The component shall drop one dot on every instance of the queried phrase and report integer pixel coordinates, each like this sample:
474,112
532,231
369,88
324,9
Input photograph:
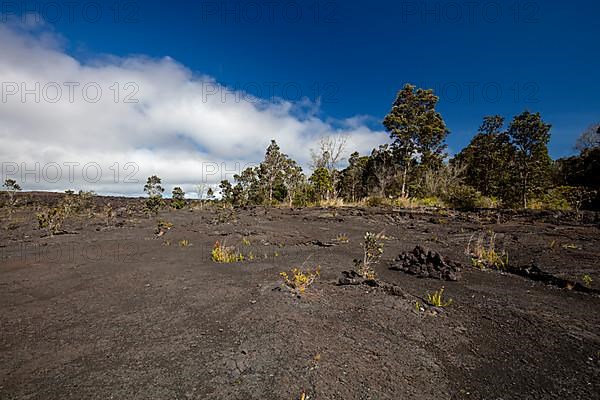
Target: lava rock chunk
354,278
427,264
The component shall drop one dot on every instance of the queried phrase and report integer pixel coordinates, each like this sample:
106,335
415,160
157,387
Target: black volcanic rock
427,264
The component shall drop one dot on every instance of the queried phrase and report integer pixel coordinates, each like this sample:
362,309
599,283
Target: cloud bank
107,124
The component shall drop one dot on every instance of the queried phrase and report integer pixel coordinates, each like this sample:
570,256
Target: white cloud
181,128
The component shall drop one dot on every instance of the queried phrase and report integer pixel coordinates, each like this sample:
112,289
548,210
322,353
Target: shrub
486,257
298,281
153,205
587,281
564,198
553,199
225,254
109,214
375,201
431,202
463,197
372,252
162,225
52,220
178,198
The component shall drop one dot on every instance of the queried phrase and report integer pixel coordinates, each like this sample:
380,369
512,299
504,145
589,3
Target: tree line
505,164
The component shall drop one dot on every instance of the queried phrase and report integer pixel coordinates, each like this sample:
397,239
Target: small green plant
437,299
297,281
184,243
342,238
162,226
418,307
483,256
570,246
225,254
246,241
372,252
587,281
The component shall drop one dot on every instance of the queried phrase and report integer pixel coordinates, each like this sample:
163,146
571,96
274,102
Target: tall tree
272,168
487,158
329,155
226,191
381,168
293,178
153,187
351,184
417,129
530,136
178,198
322,183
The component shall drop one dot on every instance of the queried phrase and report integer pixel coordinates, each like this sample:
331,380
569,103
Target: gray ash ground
110,311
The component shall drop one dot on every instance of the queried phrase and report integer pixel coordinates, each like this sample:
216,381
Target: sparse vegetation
52,220
108,214
372,252
437,299
342,238
570,246
162,226
184,243
485,255
297,281
221,253
587,281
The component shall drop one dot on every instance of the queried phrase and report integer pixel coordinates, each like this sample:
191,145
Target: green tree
530,136
293,179
322,183
352,185
226,191
272,168
11,187
381,168
417,129
154,190
329,155
249,190
153,186
178,198
486,160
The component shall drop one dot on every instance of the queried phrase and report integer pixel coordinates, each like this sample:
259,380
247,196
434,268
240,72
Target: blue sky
482,57
214,82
